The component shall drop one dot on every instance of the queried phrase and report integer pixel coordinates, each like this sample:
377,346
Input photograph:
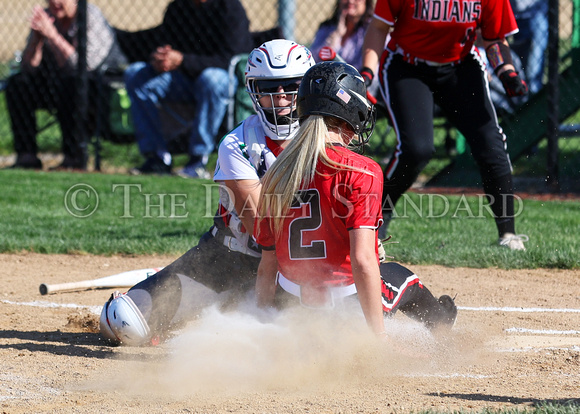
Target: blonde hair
295,167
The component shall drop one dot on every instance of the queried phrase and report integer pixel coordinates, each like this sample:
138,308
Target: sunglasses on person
273,85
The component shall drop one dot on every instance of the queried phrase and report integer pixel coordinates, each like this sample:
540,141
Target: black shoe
27,162
449,312
153,165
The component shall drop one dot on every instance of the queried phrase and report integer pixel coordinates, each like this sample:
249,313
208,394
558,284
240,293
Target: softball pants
178,292
461,91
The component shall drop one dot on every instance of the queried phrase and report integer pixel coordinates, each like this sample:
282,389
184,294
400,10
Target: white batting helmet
277,63
122,322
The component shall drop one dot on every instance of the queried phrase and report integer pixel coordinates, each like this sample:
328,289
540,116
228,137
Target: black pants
210,263
461,91
27,92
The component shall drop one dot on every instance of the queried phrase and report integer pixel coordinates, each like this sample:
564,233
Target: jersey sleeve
386,10
232,164
498,20
263,234
364,199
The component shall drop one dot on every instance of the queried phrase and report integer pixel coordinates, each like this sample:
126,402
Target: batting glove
368,75
513,84
327,53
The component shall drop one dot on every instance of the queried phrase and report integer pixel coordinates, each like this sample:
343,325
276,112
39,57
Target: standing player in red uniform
431,58
321,207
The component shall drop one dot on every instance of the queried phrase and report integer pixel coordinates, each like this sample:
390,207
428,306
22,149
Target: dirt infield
516,343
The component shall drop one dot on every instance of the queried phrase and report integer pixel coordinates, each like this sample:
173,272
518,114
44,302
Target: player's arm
367,277
499,55
266,280
245,195
373,46
500,59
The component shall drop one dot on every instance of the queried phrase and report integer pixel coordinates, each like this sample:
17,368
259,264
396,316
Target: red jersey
314,247
443,30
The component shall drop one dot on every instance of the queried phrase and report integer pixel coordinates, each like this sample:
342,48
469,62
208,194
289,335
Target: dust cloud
251,350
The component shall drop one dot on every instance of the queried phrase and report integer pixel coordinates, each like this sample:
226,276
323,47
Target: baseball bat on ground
120,280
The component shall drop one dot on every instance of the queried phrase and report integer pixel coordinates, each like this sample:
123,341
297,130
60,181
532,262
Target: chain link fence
31,98
300,19
143,14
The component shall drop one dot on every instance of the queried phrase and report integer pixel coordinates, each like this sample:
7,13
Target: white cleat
513,241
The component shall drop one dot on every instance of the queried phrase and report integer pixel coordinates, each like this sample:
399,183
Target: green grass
34,218
564,407
127,220
37,215
458,231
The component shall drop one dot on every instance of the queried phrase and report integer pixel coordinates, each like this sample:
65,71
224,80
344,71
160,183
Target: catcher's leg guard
122,322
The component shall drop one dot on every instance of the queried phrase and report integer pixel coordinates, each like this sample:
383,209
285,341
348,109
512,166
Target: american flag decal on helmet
344,96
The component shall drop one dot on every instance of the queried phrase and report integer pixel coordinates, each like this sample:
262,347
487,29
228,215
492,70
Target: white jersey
243,154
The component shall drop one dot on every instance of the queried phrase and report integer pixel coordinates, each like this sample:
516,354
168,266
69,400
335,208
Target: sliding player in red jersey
320,208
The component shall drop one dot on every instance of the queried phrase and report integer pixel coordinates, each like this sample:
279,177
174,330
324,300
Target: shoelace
521,237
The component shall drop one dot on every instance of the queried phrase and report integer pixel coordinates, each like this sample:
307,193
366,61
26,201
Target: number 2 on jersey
298,250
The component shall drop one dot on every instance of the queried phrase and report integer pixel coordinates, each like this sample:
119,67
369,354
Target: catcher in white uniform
226,259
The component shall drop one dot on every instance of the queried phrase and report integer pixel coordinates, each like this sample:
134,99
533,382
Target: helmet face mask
266,92
367,128
337,89
273,75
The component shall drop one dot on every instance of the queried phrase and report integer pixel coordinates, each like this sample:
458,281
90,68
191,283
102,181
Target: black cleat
448,312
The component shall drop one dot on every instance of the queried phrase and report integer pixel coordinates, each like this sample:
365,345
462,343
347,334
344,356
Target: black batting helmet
337,89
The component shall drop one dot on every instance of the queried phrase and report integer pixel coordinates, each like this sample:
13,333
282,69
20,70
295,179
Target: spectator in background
344,32
199,38
531,41
48,78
